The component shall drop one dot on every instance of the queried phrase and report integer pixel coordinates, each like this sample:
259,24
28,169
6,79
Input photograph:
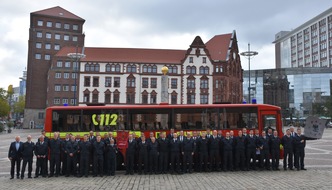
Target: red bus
125,119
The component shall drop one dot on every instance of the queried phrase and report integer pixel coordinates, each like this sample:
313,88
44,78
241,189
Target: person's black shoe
12,177
36,176
126,173
291,168
303,169
50,175
86,176
29,177
17,177
22,177
56,175
67,175
94,175
277,169
132,173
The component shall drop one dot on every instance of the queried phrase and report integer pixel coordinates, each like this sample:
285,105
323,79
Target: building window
40,23
204,83
95,82
191,99
204,59
49,24
74,75
92,67
107,98
145,83
73,88
75,27
153,98
108,81
75,66
174,98
66,75
37,56
57,36
39,34
65,88
40,115
59,64
191,83
153,82
64,100
86,97
95,98
58,75
57,88
75,38
58,25
174,83
66,26
149,69
204,70
172,69
66,37
204,99
130,98
191,60
113,68
131,69
191,69
144,98
87,81
47,57
38,45
56,101
116,98
48,35
47,46
73,101
116,82
131,82
67,64
56,47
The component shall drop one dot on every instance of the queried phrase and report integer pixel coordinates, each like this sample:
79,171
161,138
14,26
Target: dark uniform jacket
265,143
13,153
55,146
227,144
163,145
41,149
28,149
287,142
250,142
239,143
71,147
98,148
214,143
275,143
188,145
84,148
202,145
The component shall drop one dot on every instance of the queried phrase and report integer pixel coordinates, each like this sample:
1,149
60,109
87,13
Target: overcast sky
169,24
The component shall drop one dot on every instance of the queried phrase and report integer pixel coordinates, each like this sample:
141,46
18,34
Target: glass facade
296,90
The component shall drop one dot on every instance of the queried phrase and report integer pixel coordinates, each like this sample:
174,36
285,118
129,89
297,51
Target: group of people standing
173,153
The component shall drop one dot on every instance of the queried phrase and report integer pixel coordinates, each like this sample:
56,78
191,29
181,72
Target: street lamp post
77,57
248,54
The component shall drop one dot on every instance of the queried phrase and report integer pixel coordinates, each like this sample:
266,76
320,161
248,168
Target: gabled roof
127,55
58,12
218,46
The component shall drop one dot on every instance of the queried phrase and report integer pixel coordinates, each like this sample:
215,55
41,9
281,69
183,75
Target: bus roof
165,106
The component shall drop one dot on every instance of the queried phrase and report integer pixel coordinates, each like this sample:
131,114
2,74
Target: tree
18,106
4,108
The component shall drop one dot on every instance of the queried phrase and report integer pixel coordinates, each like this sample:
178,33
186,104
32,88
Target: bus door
270,120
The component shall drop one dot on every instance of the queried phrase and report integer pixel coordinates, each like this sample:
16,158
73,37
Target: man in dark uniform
130,155
239,145
170,135
64,155
143,157
287,143
163,153
227,144
181,138
85,149
195,138
113,150
264,148
153,155
71,151
47,141
188,150
175,148
202,146
299,143
27,154
55,148
275,150
15,156
214,148
251,146
98,157
41,151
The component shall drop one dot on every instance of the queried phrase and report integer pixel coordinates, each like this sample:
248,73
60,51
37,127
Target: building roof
218,46
58,12
127,55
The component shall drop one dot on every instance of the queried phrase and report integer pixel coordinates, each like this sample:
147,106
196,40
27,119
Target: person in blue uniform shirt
287,143
85,149
15,156
275,150
55,150
41,151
